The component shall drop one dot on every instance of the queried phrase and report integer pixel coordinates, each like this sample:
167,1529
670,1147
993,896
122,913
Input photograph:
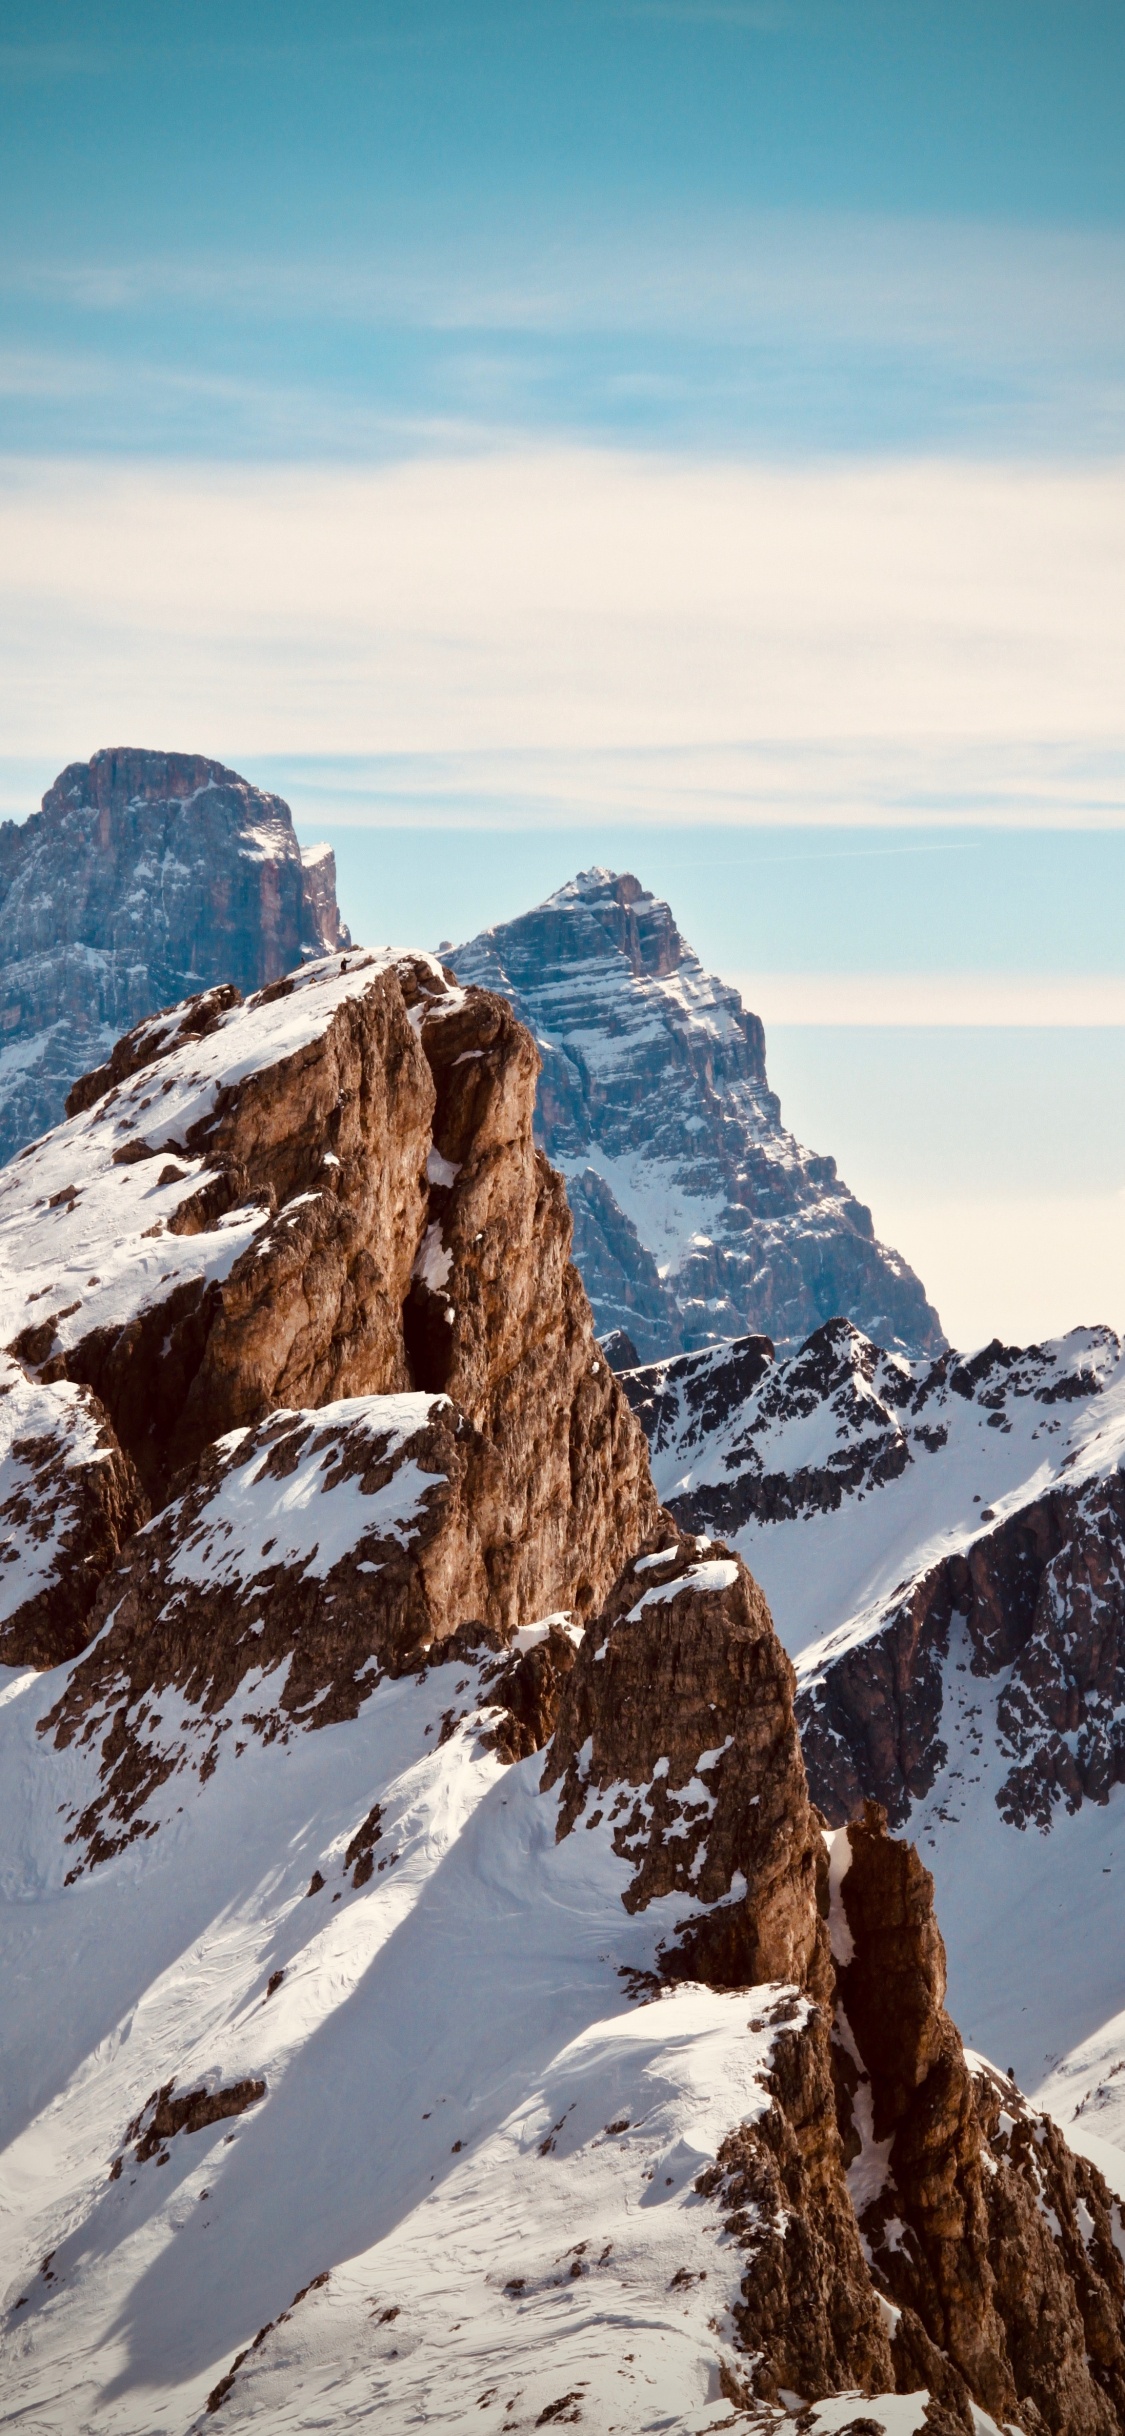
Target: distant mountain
696,1215
145,877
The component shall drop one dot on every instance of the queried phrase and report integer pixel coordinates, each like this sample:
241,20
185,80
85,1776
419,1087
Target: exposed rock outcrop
809,2318
903,2225
164,2116
356,1209
978,2219
697,1216
244,1210
739,1435
307,1558
1028,1602
145,876
355,1206
677,1724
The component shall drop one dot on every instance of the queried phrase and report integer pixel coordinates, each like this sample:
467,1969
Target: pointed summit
697,1216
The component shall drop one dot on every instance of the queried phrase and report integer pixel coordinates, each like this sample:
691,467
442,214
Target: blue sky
685,434
704,223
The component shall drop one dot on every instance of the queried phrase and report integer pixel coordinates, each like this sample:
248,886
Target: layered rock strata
697,1216
145,876
334,1327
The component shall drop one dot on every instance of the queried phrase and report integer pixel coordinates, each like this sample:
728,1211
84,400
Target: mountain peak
697,1216
145,878
125,773
642,927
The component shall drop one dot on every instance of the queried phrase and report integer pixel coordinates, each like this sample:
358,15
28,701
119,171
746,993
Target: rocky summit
428,1992
697,1216
144,877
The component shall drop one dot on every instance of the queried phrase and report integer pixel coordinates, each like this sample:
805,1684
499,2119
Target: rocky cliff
426,1986
144,877
332,1191
697,1216
677,1721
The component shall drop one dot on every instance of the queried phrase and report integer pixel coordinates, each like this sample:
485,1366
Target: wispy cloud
564,632
720,331
863,277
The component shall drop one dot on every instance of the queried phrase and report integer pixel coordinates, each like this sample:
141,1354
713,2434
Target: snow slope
466,2123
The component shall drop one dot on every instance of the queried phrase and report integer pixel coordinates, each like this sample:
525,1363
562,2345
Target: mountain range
479,1830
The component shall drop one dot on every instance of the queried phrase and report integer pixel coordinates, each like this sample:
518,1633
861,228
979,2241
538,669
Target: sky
678,434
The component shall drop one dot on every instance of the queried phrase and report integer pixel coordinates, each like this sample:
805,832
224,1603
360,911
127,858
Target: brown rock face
69,1499
163,2117
960,2233
329,1143
360,1138
403,1237
676,1724
906,2223
318,1551
498,1319
685,1696
145,876
808,2315
529,1689
1060,2292
303,1551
